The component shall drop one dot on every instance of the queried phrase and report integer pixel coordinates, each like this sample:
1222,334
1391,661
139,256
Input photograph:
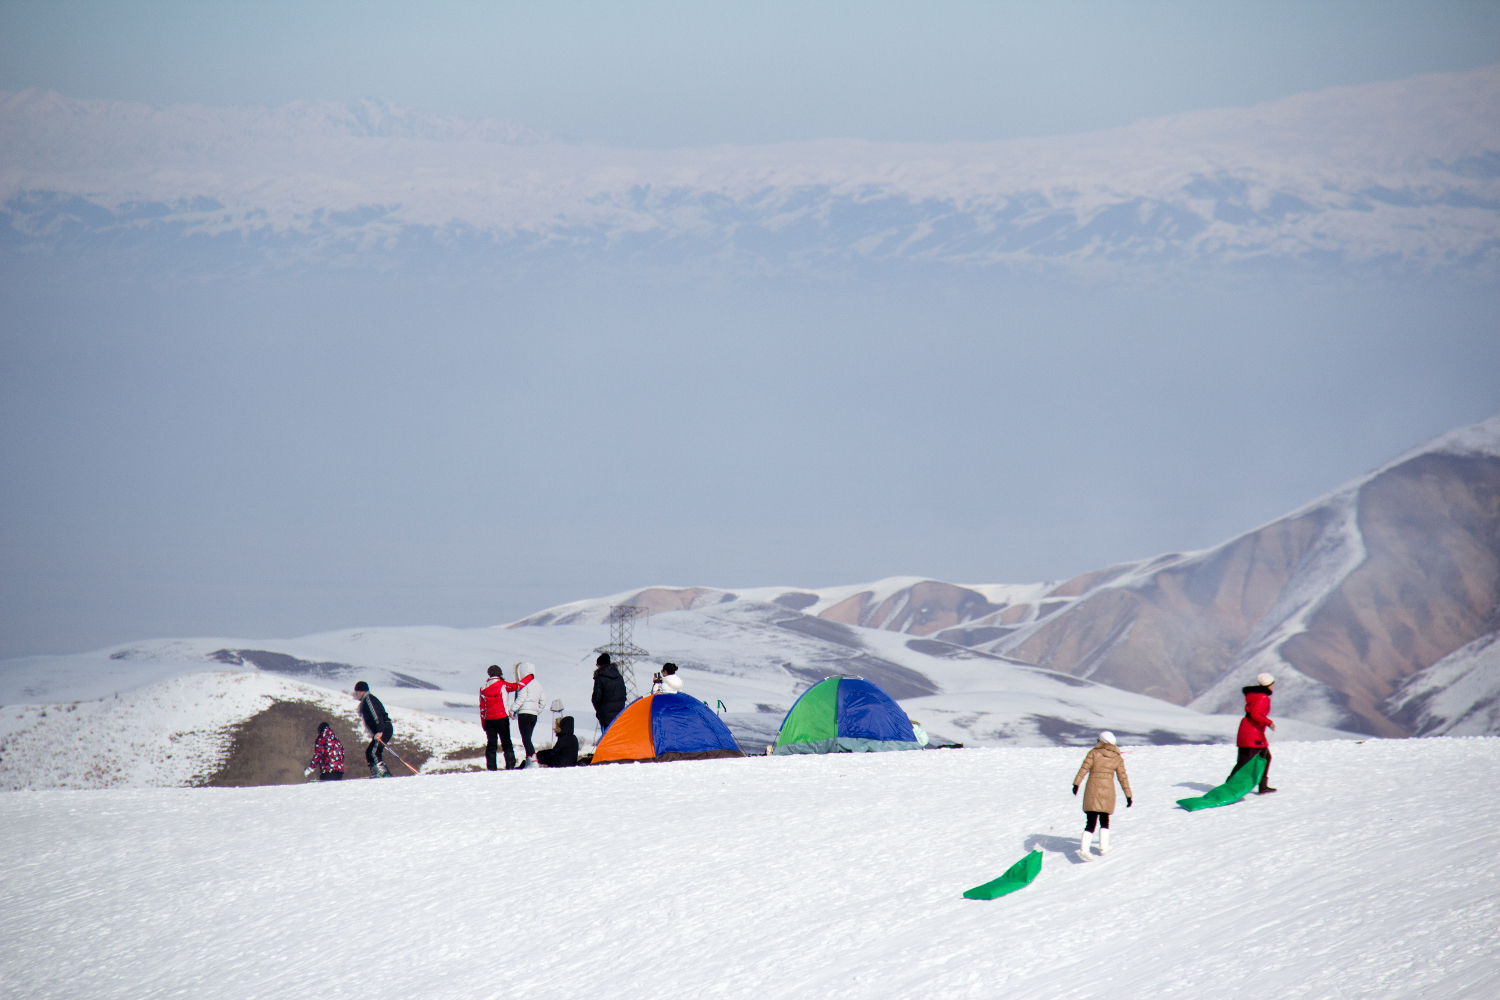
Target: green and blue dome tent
845,715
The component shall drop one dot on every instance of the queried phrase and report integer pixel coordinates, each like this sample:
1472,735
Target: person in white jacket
668,681
530,702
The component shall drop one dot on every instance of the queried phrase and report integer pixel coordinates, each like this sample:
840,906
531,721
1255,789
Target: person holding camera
667,681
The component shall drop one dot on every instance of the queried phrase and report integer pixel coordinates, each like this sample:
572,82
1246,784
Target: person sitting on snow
1103,765
1251,739
328,756
564,752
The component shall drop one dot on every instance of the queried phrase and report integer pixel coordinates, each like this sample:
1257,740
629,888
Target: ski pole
398,757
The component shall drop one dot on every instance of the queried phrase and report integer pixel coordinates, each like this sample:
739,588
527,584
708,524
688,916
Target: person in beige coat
1103,765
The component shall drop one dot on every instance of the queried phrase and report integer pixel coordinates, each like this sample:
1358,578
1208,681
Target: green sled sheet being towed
1232,790
1017,876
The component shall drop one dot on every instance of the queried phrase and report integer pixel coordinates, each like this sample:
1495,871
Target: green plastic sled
1238,785
1017,876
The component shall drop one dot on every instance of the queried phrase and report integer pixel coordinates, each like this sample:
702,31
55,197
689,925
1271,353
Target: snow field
178,732
1371,874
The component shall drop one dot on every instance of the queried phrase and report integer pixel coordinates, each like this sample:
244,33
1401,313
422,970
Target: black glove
1128,801
1075,789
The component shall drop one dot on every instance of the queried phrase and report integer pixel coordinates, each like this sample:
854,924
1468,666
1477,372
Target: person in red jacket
1251,740
495,718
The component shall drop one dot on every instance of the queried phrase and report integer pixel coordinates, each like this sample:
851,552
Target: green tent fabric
1017,876
845,715
816,718
1238,785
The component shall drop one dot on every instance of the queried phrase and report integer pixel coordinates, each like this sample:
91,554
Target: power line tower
622,651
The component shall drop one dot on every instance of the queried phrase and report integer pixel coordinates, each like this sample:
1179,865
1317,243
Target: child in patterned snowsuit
328,756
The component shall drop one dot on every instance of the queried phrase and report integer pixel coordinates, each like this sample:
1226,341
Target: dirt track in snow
274,745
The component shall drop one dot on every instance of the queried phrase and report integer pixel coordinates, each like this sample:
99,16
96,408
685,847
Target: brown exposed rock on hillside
1430,582
1175,635
926,607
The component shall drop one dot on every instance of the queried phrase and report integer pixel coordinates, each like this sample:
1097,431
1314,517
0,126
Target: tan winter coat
1103,765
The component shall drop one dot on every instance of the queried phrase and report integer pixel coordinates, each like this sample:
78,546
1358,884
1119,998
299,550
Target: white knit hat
1264,680
1107,737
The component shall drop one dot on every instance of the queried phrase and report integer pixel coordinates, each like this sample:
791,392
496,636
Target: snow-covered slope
1342,600
750,659
1402,172
1345,600
1458,695
1372,873
183,731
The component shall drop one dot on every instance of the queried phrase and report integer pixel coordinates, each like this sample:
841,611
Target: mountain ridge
1405,172
1345,599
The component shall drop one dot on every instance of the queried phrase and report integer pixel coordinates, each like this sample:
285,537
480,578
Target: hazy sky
274,451
694,73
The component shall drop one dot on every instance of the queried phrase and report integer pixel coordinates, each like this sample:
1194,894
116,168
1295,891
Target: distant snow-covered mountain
1405,172
1375,605
172,706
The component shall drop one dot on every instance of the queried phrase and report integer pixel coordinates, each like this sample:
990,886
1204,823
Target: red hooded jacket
492,696
1257,714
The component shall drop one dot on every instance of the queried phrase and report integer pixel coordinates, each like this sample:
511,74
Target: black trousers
1101,818
498,729
526,723
376,750
606,716
548,758
1246,755
331,776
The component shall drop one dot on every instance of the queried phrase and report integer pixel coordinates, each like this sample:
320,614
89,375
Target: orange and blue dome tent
663,727
845,715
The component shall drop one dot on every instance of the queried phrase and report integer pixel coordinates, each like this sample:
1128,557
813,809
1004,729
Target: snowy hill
751,657
1402,172
1343,600
1458,695
1371,873
1374,606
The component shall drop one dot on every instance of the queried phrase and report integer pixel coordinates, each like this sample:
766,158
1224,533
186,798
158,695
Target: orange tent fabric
629,736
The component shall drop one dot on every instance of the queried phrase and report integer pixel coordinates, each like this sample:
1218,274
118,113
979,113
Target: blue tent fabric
863,719
681,723
867,713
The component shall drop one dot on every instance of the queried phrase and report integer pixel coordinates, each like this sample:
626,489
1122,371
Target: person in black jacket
609,691
564,752
378,725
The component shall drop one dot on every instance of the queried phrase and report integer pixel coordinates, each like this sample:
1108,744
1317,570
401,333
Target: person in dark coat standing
1251,740
495,716
564,752
609,692
378,725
